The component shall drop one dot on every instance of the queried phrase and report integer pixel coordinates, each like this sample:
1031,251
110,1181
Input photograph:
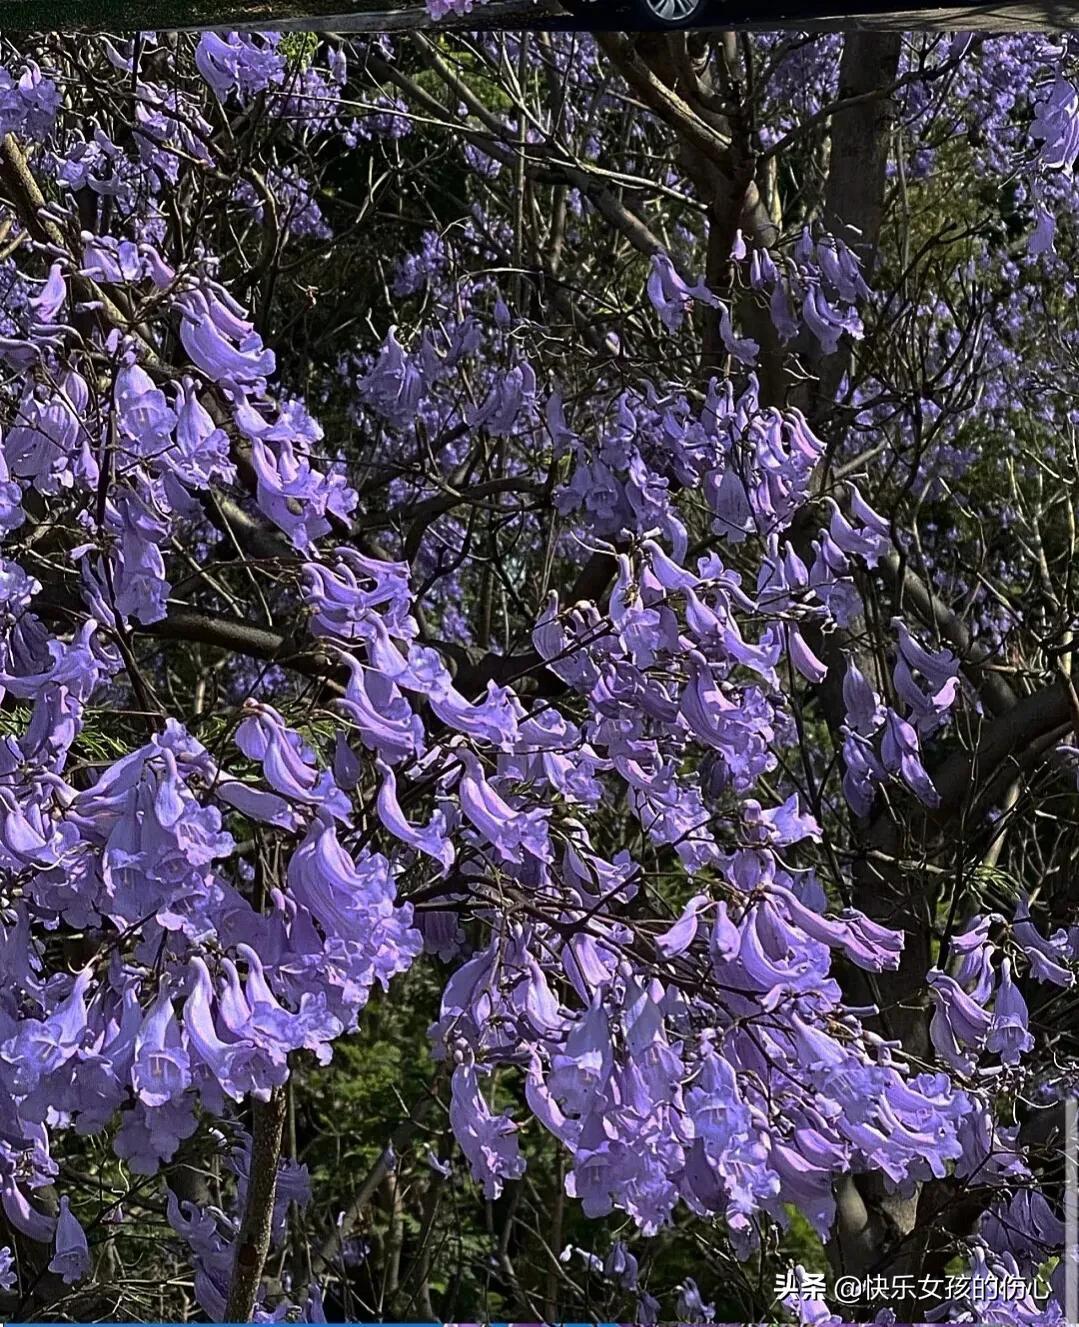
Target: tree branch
228,633
975,658
1031,719
253,1240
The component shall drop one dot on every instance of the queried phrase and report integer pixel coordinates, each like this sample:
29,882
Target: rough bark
854,196
253,1240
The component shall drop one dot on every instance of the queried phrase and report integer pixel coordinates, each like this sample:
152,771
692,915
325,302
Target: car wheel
669,13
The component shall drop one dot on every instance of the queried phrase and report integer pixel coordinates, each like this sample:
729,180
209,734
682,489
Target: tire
669,14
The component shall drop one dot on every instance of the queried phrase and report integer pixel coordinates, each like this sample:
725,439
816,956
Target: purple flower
901,754
28,104
71,1259
511,833
489,1141
248,63
864,711
1044,233
621,1266
691,1305
1009,1033
868,541
1025,1227
161,1070
1047,958
959,1026
209,331
975,952
50,299
803,658
671,297
430,840
1056,125
238,1067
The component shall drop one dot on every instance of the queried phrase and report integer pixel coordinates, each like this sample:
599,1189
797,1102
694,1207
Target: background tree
538,566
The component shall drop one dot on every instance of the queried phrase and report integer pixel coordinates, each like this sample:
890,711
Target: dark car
649,13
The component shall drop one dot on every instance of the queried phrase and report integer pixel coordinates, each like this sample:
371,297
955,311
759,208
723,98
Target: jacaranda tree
568,544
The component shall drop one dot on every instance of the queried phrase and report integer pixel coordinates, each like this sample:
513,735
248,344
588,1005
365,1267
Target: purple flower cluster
690,1049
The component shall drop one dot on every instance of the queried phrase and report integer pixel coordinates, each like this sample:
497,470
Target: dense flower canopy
591,592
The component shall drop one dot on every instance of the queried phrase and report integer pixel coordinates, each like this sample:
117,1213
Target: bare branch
253,1240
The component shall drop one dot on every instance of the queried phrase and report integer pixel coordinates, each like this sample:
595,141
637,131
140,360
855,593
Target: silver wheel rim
673,11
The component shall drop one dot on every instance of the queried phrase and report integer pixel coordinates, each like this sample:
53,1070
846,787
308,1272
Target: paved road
403,15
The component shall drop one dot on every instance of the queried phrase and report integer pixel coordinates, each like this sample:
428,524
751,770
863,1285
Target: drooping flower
1009,1033
959,1027
71,1259
489,1140
901,753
